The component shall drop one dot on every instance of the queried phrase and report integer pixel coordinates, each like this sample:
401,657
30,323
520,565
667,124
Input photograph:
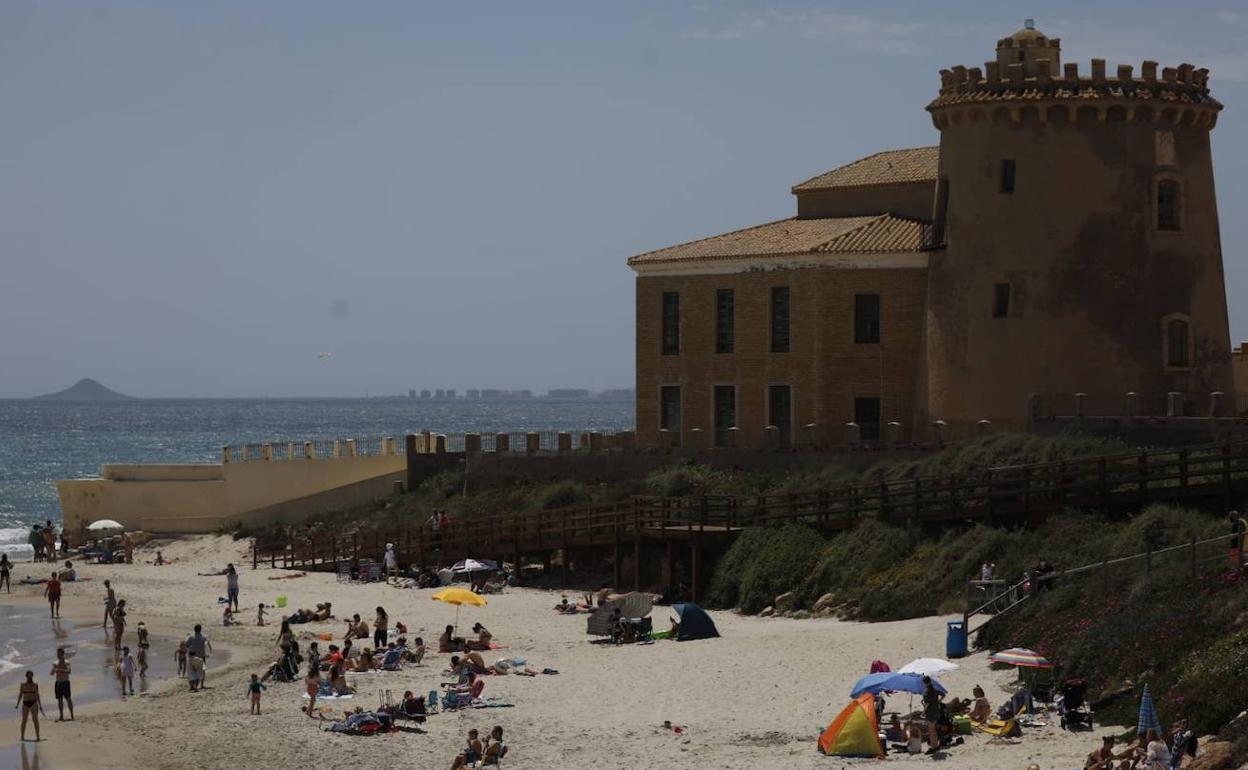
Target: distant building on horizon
567,393
1063,237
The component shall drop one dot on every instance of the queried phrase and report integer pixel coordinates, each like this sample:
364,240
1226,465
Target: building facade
1063,237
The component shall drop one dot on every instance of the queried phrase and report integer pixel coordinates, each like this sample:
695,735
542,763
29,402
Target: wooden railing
1023,492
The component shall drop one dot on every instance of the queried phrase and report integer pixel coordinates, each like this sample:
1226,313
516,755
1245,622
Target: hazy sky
197,198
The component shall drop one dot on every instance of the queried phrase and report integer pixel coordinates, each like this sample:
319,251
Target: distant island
85,389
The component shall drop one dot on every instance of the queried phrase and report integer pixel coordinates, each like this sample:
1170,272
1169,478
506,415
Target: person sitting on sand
914,739
69,574
416,652
227,617
468,662
494,747
895,733
356,629
483,638
338,678
364,662
981,710
1103,758
323,612
449,643
564,606
160,559
604,595
471,753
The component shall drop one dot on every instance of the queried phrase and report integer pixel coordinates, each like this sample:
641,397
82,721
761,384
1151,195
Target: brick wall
824,367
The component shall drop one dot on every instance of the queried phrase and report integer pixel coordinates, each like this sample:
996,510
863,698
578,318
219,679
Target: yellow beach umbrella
459,597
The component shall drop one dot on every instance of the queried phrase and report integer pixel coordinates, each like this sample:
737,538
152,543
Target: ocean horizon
42,441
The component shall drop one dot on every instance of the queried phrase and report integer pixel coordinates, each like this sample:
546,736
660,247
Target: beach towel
331,696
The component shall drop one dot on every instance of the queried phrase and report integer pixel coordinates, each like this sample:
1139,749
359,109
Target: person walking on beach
381,629
253,691
28,699
60,670
195,674
119,623
180,656
110,602
6,567
231,586
52,590
142,658
198,646
125,671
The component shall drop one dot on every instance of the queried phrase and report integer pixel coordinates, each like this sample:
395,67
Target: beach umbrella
474,565
928,667
103,525
1148,715
893,681
1018,656
459,597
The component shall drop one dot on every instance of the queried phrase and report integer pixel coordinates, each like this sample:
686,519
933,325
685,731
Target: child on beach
142,659
180,656
196,673
52,590
471,753
312,683
141,631
254,690
125,671
259,614
227,617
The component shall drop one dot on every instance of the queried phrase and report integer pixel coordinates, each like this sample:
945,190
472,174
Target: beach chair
344,572
1000,729
431,702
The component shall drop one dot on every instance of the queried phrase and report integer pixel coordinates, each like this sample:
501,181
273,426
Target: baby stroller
1072,705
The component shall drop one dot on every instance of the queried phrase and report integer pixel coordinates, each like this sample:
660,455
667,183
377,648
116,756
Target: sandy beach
755,698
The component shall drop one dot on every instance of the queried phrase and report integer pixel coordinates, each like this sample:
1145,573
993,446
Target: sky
198,199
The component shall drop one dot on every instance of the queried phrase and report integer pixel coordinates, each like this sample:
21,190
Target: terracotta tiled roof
884,233
917,164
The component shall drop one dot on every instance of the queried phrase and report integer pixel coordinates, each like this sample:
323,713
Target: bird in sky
324,355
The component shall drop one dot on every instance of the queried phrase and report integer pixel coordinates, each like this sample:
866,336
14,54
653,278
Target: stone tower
1075,236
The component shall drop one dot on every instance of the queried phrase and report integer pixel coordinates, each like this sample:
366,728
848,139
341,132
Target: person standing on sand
125,671
127,543
392,562
931,711
28,699
119,623
180,656
60,670
253,690
110,602
381,628
231,586
312,684
6,567
52,590
198,646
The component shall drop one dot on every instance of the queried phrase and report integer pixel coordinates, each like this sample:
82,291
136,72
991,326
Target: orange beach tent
854,732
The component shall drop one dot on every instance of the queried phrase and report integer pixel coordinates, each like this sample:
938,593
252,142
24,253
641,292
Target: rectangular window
669,411
725,332
1176,343
780,319
1168,205
866,319
725,412
780,411
1007,176
671,323
1000,300
867,415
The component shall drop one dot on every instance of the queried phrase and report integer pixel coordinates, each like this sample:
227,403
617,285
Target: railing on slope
1000,492
1108,569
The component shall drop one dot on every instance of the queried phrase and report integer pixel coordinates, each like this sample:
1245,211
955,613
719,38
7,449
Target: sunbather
364,662
1103,758
471,753
356,629
469,662
981,709
483,638
449,643
416,652
494,747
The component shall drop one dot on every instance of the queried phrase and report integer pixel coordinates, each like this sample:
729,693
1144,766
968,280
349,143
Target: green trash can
955,639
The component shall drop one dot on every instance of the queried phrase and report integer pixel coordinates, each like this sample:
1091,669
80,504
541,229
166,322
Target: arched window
1168,205
1177,341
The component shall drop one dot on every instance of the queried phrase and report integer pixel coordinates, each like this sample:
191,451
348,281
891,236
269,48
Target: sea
42,441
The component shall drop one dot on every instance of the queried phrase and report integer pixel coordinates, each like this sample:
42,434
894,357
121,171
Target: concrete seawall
202,497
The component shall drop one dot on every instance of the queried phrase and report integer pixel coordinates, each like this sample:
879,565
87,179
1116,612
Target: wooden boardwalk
1023,494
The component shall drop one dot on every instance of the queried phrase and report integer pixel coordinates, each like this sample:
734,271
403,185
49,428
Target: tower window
1001,300
1177,352
867,415
669,410
724,321
866,319
780,319
1168,205
780,411
1007,176
671,323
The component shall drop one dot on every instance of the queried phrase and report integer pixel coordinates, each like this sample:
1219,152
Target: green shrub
561,494
763,563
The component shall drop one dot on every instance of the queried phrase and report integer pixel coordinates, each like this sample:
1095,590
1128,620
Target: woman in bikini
28,699
6,567
119,623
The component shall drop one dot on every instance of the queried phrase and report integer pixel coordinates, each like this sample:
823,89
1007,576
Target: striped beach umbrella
1019,656
1148,714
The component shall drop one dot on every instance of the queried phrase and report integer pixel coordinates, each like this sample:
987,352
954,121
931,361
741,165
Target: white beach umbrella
474,565
928,667
104,524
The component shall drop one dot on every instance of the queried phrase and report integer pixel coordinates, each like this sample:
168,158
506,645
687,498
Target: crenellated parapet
1005,90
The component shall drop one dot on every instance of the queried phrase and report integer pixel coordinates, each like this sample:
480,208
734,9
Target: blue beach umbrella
892,681
1148,714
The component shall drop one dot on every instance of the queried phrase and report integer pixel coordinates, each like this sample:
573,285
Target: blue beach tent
694,623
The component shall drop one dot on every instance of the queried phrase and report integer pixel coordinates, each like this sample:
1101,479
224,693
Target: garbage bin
955,639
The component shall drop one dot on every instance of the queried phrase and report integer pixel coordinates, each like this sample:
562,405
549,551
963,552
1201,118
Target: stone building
1062,238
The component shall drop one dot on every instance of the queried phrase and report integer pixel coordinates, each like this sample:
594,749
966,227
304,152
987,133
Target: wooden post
255,553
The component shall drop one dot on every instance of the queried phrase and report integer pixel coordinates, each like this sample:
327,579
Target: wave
9,660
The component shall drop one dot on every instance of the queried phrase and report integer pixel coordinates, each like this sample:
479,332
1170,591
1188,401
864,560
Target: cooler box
955,639
962,723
